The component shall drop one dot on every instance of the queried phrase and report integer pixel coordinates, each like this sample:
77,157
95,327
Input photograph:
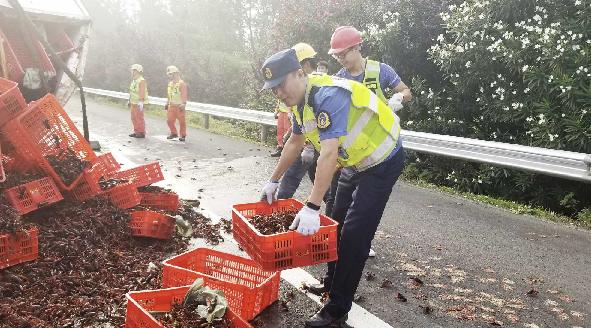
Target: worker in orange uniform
283,126
138,96
177,101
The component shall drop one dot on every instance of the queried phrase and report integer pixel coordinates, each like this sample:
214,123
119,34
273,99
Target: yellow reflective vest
174,92
134,91
372,128
371,79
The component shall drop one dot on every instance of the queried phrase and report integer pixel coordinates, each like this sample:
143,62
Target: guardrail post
587,161
206,121
264,133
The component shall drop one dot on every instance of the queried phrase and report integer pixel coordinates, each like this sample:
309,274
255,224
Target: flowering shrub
517,72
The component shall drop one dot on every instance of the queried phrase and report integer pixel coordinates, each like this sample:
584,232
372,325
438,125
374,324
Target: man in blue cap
350,127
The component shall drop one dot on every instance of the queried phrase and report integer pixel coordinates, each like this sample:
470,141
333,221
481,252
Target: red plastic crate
14,68
283,250
14,34
18,248
152,224
141,303
168,201
88,186
12,102
124,195
31,196
45,129
248,288
141,176
2,175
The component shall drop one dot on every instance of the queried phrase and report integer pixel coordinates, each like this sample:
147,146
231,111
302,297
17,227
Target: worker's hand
182,107
306,222
307,155
128,104
269,190
276,115
140,105
166,107
395,103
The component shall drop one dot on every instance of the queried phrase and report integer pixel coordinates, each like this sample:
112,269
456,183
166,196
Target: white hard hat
172,69
137,67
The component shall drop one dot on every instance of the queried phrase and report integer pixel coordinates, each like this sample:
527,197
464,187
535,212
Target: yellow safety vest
372,128
371,79
134,91
174,93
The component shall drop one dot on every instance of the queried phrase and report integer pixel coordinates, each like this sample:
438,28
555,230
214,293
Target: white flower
525,68
468,64
459,48
551,137
577,2
526,90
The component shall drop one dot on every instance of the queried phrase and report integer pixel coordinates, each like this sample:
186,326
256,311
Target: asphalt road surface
442,260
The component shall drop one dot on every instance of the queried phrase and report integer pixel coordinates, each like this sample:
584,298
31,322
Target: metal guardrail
559,163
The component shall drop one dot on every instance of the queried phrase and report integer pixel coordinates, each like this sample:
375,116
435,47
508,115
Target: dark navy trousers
360,201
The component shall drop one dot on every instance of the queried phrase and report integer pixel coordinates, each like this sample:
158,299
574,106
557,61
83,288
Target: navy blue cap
278,66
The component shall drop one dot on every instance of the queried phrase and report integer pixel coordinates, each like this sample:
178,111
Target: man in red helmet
345,47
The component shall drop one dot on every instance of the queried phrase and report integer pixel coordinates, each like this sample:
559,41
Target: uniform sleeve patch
323,120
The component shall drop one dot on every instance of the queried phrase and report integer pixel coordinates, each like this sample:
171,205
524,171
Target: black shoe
324,319
140,135
182,138
172,136
317,289
133,135
277,153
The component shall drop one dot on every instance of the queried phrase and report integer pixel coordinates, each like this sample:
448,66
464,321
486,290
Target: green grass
251,132
583,220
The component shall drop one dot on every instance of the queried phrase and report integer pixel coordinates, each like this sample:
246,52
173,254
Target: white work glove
307,156
306,222
395,103
140,105
269,190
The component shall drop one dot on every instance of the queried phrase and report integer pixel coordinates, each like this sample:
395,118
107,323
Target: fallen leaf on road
551,291
577,314
400,297
532,293
369,276
530,325
426,309
565,298
509,282
415,282
386,284
462,312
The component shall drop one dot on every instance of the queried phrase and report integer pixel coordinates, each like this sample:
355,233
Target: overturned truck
36,55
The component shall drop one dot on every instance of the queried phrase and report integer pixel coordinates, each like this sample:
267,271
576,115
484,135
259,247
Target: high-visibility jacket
372,79
372,128
135,94
175,93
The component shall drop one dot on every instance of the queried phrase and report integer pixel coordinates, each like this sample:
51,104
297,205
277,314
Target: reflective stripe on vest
371,79
134,91
174,92
372,128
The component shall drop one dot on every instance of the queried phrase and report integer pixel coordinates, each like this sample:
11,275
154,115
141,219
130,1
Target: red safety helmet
343,38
